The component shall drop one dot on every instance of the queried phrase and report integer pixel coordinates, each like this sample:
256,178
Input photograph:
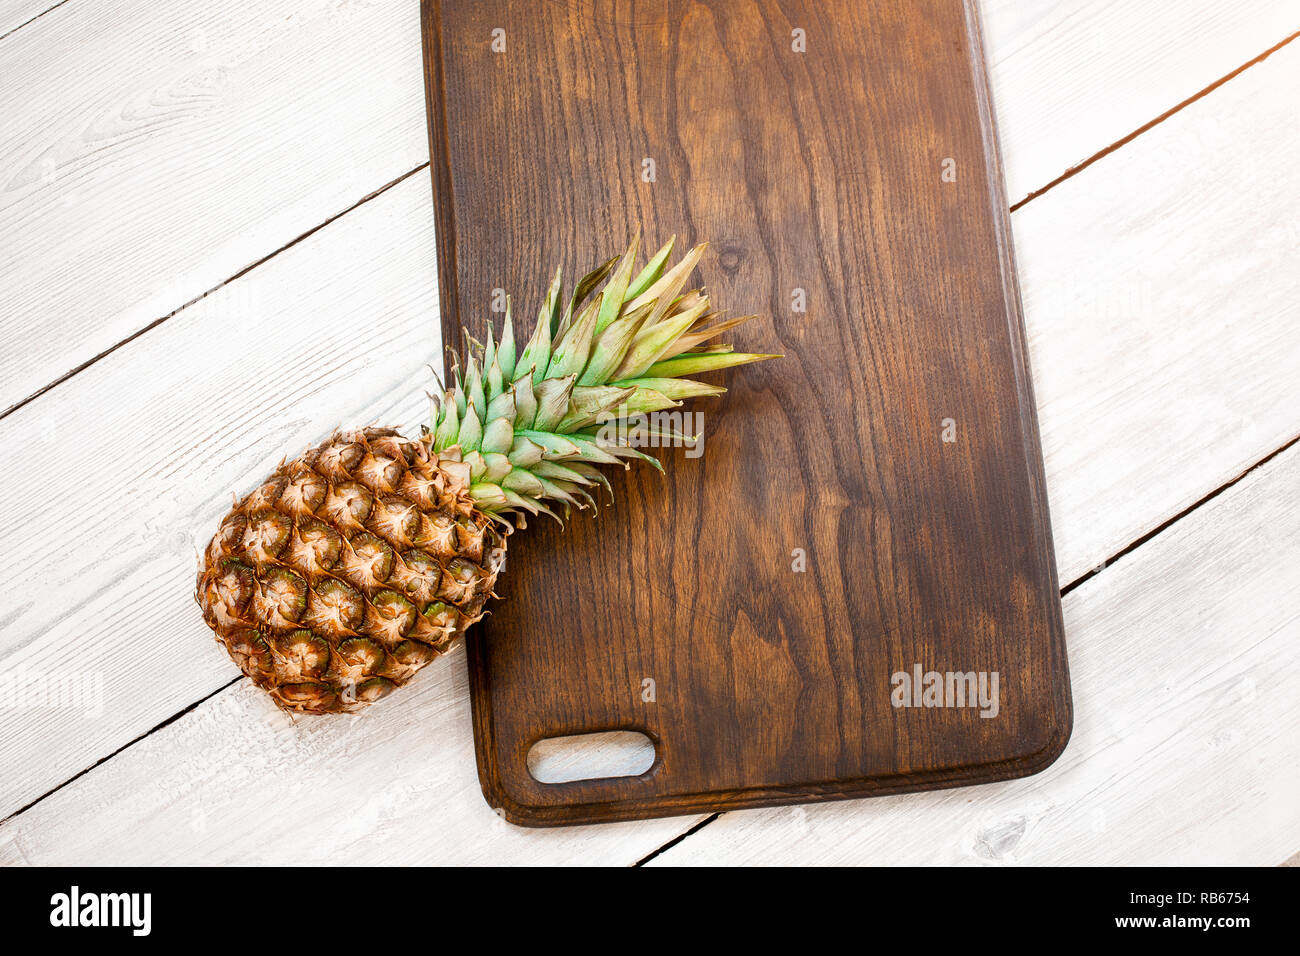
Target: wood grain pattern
18,13
1186,750
1142,413
117,600
151,151
1162,323
1068,76
1122,452
397,788
821,171
1186,753
261,123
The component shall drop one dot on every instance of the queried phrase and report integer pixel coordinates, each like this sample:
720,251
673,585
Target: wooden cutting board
870,506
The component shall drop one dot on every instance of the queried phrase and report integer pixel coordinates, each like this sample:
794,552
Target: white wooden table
216,231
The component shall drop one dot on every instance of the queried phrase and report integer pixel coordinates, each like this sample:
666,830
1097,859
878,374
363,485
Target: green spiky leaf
695,363
536,426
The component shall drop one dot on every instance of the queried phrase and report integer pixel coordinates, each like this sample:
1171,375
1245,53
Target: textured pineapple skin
348,570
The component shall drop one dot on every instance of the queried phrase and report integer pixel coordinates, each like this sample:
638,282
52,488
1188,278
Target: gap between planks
1155,701
1110,562
30,20
126,746
1070,586
1143,539
1073,584
1029,197
1134,545
203,295
1081,579
1123,141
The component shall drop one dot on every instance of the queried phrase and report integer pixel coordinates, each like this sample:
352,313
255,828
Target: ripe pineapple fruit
356,564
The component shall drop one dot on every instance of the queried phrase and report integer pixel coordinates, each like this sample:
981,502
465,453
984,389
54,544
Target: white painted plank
129,465
150,151
112,601
1162,317
197,139
169,424
16,13
1071,78
235,782
1186,744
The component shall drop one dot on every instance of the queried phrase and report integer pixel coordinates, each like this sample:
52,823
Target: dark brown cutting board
861,175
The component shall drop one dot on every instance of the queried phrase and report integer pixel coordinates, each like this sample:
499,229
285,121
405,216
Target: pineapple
356,564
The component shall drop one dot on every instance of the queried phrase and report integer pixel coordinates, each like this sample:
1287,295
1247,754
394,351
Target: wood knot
729,259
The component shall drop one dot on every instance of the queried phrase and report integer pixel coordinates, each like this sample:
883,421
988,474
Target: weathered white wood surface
1186,744
151,150
235,782
167,427
17,13
1162,314
1153,391
1069,77
1186,748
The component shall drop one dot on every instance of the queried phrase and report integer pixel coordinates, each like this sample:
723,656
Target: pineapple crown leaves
527,429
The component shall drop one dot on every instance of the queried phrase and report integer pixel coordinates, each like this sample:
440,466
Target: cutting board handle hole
614,753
